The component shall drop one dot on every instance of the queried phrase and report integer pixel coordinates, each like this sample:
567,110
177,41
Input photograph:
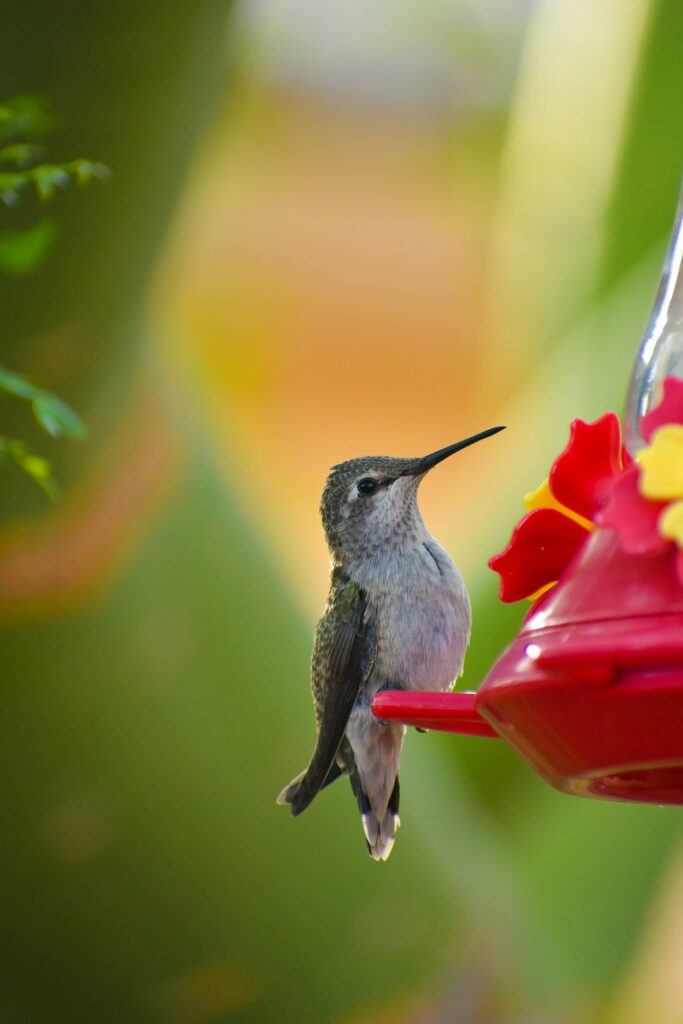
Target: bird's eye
367,486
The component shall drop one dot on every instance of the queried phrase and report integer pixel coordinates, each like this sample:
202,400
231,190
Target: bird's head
372,501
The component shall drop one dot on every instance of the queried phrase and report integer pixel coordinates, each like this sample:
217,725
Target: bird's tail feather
380,833
378,794
291,794
374,780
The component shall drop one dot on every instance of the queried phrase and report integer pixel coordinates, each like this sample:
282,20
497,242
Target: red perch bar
446,712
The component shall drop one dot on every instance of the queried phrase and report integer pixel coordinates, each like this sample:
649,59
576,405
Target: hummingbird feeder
591,690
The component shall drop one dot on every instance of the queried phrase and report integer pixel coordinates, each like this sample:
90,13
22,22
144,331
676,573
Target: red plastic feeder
591,690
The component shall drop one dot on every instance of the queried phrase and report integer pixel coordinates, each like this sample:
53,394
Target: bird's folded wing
347,669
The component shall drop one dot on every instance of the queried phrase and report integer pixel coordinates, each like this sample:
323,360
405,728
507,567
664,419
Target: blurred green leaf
35,466
11,184
22,119
57,418
25,117
54,416
16,384
47,178
22,252
21,154
87,170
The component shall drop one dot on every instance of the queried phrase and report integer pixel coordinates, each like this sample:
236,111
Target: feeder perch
591,690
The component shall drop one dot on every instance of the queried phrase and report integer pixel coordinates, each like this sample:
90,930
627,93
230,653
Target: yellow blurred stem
541,590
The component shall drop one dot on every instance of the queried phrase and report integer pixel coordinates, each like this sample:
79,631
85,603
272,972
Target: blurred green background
330,229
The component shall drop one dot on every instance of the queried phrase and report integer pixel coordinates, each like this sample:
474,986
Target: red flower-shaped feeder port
645,505
591,690
562,511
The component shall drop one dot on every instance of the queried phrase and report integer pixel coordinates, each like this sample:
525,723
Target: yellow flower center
670,523
661,464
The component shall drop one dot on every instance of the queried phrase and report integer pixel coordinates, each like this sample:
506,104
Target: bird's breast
422,620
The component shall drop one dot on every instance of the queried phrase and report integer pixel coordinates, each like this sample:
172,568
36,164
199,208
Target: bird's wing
345,636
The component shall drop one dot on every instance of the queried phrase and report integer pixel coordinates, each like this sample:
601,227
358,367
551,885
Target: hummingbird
397,617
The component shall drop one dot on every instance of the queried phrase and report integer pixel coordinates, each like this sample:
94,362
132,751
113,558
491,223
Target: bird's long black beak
421,466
